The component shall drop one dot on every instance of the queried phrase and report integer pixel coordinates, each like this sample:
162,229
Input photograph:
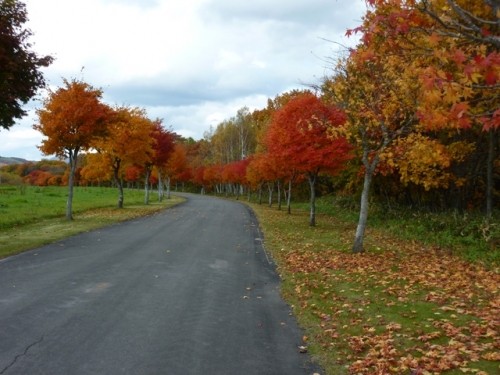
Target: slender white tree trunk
73,157
363,214
363,211
118,182
146,186
160,187
270,188
168,187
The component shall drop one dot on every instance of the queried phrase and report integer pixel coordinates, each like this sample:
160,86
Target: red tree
300,135
162,151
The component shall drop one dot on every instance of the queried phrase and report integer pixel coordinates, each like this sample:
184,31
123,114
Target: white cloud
192,62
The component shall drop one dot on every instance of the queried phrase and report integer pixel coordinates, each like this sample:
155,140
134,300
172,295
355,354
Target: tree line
409,115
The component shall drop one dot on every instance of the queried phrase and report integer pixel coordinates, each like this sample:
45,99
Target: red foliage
164,144
298,137
235,172
133,173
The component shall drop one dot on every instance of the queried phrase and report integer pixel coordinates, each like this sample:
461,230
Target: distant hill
11,160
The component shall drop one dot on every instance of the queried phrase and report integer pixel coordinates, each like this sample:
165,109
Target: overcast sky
192,63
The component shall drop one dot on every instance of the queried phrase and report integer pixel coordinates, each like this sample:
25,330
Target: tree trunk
363,211
118,182
146,186
312,184
363,214
270,188
160,187
289,197
489,173
279,194
260,193
168,187
73,156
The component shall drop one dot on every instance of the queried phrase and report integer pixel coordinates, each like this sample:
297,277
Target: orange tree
264,168
129,143
255,174
177,167
300,133
72,120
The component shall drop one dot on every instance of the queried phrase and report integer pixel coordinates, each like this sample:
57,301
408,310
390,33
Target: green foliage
9,178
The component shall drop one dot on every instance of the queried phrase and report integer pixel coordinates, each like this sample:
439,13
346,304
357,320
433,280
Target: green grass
468,234
34,216
21,205
361,310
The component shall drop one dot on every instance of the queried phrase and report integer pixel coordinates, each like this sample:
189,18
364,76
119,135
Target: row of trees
410,114
74,120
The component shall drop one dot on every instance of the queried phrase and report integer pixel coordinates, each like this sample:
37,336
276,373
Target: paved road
186,291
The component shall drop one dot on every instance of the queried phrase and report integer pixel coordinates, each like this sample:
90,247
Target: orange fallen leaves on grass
456,287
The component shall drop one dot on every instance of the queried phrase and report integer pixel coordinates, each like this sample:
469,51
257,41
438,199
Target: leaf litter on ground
399,308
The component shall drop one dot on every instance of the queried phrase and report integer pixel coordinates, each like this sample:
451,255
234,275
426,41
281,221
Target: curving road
187,291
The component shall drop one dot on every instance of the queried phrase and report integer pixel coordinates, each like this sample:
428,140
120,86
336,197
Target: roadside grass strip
45,223
401,307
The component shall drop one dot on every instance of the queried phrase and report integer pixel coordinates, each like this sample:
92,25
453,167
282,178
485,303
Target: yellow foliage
423,161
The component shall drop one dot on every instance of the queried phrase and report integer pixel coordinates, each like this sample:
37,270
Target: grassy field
33,216
404,306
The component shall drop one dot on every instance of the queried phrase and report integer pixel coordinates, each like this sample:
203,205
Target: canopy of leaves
163,145
20,75
298,136
130,140
73,119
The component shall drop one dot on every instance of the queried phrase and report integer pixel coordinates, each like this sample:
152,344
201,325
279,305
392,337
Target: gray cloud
192,62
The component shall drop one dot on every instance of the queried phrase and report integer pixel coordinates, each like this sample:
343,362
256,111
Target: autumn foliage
72,120
409,117
299,140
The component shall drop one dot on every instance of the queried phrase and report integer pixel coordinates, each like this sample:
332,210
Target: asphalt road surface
187,291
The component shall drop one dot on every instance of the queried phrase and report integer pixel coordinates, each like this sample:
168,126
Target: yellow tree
94,170
462,83
378,87
72,120
430,65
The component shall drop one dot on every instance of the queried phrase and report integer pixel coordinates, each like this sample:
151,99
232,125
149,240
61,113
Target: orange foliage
73,118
